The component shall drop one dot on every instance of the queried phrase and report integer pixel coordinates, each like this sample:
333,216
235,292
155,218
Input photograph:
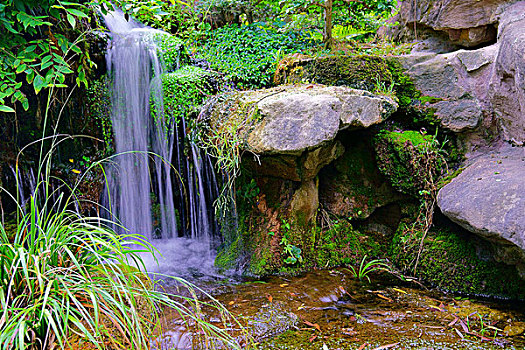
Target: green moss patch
410,160
185,90
449,261
360,72
172,52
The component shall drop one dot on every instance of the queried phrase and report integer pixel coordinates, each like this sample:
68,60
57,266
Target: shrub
249,54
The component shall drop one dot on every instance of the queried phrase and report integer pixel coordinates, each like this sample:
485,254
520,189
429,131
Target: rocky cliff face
479,94
335,174
475,88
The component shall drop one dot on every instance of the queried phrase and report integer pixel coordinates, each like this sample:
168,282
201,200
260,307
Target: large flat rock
296,118
292,128
488,198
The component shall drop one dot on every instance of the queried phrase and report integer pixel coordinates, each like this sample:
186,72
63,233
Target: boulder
466,23
292,128
507,85
298,118
488,198
448,89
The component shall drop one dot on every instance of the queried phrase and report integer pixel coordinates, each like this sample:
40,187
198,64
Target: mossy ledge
450,260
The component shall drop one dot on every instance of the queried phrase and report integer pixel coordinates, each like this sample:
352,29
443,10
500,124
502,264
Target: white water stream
170,205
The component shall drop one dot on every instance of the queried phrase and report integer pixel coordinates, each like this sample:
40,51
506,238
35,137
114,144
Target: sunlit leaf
6,109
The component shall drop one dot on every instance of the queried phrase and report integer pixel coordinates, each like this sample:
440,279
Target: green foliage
173,16
350,19
291,253
247,53
184,91
36,48
173,52
67,279
367,268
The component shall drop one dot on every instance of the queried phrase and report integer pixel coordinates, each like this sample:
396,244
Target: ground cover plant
249,54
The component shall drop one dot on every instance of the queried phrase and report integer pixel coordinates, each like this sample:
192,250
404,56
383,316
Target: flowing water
331,309
170,205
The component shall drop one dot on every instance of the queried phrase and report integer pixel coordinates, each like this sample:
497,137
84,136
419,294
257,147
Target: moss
172,52
410,160
449,261
340,245
185,90
228,255
99,109
360,72
449,177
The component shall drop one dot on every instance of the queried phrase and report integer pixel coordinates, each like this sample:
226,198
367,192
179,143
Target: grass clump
70,281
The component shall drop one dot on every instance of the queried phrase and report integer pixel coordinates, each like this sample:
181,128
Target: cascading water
146,195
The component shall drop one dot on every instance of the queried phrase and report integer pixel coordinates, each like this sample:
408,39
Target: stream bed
331,309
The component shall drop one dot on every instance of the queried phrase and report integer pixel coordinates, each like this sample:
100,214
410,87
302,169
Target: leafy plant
291,252
39,39
65,277
248,54
67,280
365,268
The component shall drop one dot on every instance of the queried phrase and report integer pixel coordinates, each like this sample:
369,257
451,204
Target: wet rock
272,319
305,202
488,198
515,328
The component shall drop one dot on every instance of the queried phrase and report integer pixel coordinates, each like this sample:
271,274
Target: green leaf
30,76
21,68
77,13
6,109
38,83
64,69
71,20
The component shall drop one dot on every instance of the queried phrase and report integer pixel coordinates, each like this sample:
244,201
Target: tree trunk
327,31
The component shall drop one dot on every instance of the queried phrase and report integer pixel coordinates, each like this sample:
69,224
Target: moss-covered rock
359,72
451,261
410,160
185,90
271,239
172,52
353,186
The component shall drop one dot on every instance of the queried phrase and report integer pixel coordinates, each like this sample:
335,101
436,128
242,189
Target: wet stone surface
332,310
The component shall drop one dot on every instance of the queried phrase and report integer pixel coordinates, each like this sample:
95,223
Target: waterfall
159,185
